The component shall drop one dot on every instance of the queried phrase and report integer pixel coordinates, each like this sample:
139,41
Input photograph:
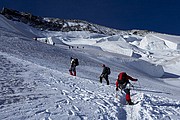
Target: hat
103,65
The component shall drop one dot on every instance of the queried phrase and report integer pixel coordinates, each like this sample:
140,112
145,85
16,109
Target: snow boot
70,72
129,102
74,73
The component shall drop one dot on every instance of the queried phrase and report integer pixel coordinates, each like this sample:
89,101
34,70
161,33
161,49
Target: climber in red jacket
123,82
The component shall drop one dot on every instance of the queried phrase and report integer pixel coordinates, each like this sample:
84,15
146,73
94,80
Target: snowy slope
35,83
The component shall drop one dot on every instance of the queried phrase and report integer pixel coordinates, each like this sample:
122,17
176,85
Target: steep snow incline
35,83
30,91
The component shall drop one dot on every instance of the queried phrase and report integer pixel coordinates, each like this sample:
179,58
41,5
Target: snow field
55,95
67,97
35,83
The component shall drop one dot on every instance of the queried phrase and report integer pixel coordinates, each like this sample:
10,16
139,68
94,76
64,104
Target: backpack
76,61
122,78
108,71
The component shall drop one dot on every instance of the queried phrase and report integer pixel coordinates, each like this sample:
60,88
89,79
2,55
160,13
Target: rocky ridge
56,24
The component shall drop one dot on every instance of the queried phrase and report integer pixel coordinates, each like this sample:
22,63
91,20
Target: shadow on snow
170,75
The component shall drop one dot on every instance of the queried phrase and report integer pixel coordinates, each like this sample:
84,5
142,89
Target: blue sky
156,15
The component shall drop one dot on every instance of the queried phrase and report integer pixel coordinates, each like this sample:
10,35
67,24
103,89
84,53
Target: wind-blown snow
35,83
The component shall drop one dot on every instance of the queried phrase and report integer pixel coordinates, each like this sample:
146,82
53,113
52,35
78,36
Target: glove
131,85
117,89
135,79
101,75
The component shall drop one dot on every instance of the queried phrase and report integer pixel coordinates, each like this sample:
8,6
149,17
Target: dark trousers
105,77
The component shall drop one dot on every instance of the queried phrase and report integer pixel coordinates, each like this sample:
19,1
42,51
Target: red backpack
122,78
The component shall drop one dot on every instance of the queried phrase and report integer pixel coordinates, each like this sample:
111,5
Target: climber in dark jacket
104,74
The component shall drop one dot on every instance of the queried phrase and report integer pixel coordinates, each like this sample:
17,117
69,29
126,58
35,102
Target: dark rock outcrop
55,24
